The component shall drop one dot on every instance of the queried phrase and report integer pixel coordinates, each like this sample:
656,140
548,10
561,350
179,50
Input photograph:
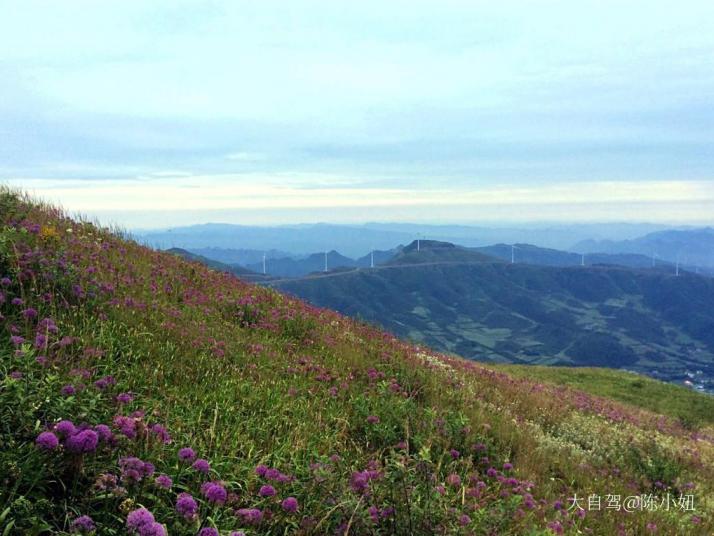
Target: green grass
665,398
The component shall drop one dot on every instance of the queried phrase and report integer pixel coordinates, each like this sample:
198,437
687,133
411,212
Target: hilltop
144,394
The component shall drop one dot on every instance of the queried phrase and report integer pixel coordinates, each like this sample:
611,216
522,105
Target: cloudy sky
165,112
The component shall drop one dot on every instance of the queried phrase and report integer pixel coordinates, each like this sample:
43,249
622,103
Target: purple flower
17,301
161,432
138,519
237,533
507,466
47,441
105,434
164,481
250,516
453,480
68,390
153,529
201,465
16,340
15,374
124,398
186,454
454,453
134,469
266,491
272,474
83,441
208,531
214,492
40,340
82,525
103,383
372,419
491,472
29,313
261,470
290,504
65,428
464,520
186,506
126,426
5,282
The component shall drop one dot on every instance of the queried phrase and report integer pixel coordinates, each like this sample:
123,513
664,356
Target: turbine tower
371,259
325,261
582,259
263,263
513,253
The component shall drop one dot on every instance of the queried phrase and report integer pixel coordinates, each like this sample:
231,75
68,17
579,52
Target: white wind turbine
513,253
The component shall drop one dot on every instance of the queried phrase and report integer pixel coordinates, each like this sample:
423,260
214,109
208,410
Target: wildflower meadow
144,395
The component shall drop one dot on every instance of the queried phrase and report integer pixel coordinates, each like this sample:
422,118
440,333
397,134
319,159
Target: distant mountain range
481,307
693,247
358,240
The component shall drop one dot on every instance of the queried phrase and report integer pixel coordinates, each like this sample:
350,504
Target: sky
152,114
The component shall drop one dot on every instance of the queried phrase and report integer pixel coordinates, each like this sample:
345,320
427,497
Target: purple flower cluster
142,523
82,525
360,480
47,441
134,470
250,516
214,492
266,491
290,505
187,506
186,454
76,440
82,442
272,474
201,465
163,481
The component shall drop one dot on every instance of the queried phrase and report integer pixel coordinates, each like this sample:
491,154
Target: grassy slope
599,316
688,406
247,376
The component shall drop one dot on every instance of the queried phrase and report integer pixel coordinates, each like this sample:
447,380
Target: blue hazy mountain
691,246
358,240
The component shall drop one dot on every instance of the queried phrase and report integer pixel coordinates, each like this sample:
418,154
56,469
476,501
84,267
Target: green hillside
141,394
607,316
687,406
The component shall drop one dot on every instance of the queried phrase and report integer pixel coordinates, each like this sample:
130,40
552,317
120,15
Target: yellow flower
48,232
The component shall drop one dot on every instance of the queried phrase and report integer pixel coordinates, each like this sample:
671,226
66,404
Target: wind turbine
325,261
513,253
676,269
263,263
582,259
371,258
418,241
